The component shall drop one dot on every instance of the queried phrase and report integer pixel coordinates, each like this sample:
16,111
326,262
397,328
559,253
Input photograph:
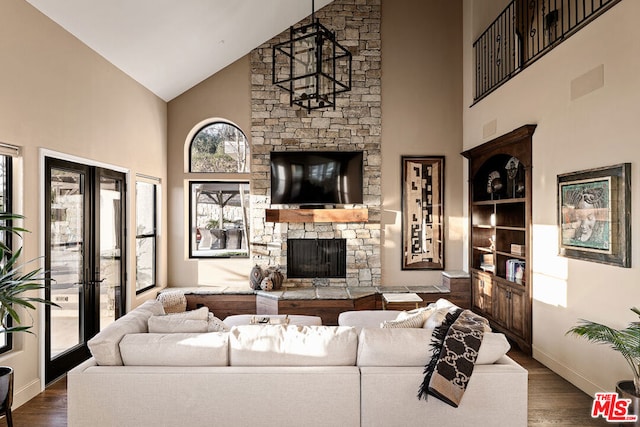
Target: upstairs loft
524,32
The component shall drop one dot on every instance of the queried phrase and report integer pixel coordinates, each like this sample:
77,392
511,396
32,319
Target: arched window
219,205
219,147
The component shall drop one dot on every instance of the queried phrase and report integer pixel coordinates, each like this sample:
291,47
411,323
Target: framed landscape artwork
594,215
422,213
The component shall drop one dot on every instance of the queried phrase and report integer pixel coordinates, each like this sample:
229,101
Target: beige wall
60,95
594,130
226,95
421,115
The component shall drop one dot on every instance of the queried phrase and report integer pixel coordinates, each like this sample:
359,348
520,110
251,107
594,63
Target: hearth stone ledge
310,292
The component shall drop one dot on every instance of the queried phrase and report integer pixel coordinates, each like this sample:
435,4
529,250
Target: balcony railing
524,32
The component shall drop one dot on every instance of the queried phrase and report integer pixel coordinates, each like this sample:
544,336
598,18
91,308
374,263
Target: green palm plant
626,341
15,283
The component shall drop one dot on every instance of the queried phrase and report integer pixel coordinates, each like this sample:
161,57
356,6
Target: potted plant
627,343
15,286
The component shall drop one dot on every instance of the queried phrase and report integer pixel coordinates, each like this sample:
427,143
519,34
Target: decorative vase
626,390
6,393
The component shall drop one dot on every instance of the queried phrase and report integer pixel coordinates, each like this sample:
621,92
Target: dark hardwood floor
48,409
552,402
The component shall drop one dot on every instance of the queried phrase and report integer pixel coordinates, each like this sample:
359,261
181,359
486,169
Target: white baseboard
567,373
26,393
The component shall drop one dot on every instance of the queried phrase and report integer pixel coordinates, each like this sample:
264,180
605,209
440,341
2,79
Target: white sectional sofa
279,375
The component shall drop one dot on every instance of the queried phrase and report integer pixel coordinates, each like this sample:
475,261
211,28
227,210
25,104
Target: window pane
219,219
145,235
219,147
145,263
145,210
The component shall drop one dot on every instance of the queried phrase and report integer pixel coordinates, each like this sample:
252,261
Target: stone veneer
355,125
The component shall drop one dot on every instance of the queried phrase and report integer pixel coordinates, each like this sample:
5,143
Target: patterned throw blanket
455,345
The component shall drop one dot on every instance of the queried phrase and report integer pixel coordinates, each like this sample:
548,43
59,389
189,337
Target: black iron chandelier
312,66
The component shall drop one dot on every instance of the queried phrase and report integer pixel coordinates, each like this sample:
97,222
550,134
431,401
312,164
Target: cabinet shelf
484,226
504,227
510,255
499,201
483,249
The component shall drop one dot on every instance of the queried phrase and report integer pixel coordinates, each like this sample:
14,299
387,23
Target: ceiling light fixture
312,66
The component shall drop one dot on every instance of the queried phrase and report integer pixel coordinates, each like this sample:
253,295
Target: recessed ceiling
169,46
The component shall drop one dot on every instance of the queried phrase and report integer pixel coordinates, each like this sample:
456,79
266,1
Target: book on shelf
517,249
515,270
490,268
486,263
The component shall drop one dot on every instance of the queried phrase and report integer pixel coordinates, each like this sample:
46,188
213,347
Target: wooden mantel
317,215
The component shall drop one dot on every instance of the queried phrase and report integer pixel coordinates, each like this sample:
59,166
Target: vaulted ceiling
169,46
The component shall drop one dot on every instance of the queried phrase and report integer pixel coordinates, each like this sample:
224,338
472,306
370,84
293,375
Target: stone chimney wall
355,125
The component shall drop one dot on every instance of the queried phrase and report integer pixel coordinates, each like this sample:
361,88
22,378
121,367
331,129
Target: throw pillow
173,301
410,319
441,308
216,325
425,311
255,277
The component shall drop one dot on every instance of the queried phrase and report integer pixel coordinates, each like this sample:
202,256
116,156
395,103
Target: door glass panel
110,249
67,245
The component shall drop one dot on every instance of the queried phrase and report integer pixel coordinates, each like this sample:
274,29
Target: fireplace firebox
316,258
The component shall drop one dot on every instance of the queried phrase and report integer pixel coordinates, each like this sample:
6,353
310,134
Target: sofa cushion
201,313
290,345
494,346
412,347
168,325
187,321
176,349
366,318
104,346
394,347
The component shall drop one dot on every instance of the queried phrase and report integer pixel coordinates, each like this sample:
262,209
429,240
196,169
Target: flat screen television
316,177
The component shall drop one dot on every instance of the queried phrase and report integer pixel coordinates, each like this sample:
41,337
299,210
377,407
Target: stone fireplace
354,125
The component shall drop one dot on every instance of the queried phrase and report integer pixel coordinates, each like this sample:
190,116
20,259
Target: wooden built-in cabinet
500,233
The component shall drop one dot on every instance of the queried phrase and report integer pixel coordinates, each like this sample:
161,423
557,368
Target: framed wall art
594,215
422,213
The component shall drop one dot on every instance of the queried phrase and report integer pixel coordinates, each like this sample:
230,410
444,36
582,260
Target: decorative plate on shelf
494,183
